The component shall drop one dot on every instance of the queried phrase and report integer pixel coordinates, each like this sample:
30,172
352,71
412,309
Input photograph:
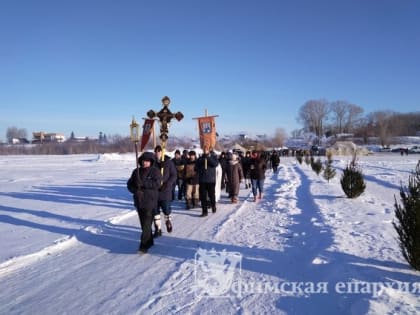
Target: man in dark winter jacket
206,168
223,161
246,160
191,182
179,163
257,169
275,161
144,184
169,175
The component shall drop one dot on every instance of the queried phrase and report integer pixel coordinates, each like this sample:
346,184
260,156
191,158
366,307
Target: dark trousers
207,189
181,189
146,220
165,206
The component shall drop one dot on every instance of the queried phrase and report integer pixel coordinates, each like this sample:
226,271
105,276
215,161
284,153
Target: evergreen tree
316,165
352,181
408,216
329,171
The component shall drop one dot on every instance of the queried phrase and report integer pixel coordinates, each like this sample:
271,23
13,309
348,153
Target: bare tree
14,132
296,133
339,110
354,116
381,121
279,137
346,116
405,124
313,114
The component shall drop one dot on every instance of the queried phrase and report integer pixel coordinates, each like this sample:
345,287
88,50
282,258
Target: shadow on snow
85,194
295,264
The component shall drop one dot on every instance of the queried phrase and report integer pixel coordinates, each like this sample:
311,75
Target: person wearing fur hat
234,175
144,184
169,175
206,168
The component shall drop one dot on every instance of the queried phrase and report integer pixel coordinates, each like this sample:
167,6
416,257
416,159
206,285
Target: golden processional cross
164,117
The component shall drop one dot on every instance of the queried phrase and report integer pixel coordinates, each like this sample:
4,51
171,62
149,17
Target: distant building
20,141
41,137
82,139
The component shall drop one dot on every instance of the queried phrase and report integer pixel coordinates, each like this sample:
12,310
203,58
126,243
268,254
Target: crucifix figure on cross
164,115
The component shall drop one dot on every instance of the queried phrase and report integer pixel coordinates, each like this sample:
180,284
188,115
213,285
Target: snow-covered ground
69,239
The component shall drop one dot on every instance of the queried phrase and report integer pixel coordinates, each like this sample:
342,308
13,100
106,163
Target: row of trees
330,118
120,144
114,144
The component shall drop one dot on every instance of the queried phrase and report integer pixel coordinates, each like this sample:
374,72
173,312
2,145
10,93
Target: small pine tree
408,216
352,181
329,171
316,166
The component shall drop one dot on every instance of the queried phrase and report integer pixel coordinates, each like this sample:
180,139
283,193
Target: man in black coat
206,168
179,163
275,161
144,184
257,168
169,175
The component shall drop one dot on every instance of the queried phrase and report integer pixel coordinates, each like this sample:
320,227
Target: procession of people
190,178
158,180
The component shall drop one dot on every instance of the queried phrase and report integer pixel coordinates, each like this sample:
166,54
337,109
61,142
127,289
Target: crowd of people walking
159,180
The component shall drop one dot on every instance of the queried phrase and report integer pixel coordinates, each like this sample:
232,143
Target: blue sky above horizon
88,66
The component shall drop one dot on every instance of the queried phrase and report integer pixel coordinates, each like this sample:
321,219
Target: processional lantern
134,131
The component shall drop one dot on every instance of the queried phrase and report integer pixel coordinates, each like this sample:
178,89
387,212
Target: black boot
204,212
142,249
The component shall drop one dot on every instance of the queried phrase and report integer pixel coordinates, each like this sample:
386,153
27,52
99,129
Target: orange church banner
147,130
207,129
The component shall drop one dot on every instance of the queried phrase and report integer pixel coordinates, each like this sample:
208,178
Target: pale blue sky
88,66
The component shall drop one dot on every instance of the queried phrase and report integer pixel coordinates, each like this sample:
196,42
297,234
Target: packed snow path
77,238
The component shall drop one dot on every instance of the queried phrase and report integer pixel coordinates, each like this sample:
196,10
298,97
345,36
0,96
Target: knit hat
147,156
